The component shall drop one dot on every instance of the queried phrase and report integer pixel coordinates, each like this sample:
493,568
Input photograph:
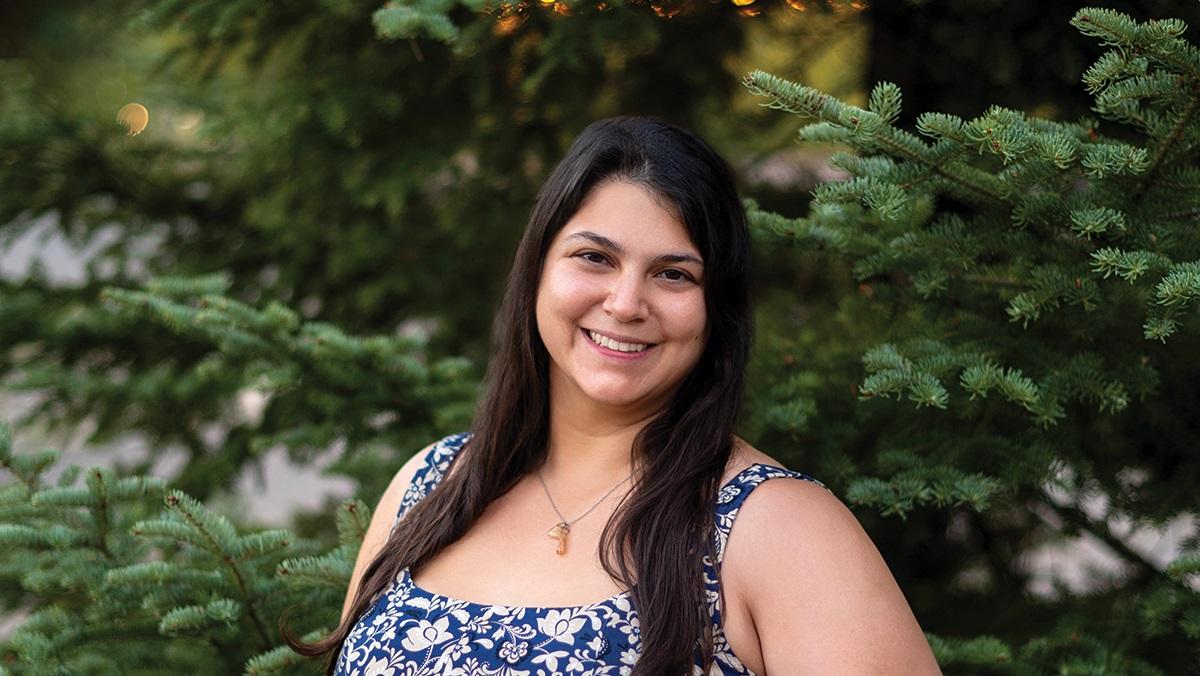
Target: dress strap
437,461
735,492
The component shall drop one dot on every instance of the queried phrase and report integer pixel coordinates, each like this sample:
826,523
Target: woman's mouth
615,348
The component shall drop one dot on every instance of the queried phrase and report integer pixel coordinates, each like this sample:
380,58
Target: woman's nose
625,300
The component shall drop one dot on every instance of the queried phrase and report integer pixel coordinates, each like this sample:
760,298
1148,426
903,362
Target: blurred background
372,166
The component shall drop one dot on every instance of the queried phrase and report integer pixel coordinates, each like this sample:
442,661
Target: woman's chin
614,396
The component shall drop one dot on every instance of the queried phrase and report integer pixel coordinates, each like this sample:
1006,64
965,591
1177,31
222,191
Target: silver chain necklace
560,530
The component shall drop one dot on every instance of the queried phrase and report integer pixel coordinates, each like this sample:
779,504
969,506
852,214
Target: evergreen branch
1008,282
1179,287
1158,39
353,518
1182,567
15,535
1101,160
262,543
885,101
187,507
63,496
192,618
44,635
1188,214
809,102
1129,265
218,532
394,21
27,468
278,659
98,483
921,484
329,570
186,287
156,573
130,487
803,231
170,528
1160,153
900,150
980,651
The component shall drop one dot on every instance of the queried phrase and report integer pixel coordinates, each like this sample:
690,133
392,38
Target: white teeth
614,345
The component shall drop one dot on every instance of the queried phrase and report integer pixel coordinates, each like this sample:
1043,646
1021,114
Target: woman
588,514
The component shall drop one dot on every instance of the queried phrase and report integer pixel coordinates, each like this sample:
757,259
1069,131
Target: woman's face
624,272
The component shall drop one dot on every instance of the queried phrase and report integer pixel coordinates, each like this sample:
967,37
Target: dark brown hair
655,542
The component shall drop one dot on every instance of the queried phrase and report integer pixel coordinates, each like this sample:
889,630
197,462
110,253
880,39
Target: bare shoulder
803,509
795,507
798,508
821,597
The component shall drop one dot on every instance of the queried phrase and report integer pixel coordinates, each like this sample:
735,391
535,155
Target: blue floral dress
410,631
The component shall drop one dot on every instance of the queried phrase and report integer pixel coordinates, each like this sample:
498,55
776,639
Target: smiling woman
620,350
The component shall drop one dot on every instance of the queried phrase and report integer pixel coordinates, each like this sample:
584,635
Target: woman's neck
582,455
590,444
589,449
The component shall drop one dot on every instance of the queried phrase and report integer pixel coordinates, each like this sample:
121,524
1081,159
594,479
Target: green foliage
333,568
1037,284
984,651
343,383
283,660
131,578
426,18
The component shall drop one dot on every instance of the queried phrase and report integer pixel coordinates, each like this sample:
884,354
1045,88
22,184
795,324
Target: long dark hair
655,542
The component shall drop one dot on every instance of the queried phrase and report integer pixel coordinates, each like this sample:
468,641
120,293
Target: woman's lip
615,354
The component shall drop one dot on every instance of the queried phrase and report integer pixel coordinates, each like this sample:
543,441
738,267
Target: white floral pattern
409,631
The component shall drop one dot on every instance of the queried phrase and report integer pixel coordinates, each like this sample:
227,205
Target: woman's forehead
628,218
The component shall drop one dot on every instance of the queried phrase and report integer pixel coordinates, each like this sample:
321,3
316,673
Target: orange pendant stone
559,531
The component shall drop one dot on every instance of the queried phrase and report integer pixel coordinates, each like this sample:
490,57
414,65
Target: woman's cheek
689,314
581,290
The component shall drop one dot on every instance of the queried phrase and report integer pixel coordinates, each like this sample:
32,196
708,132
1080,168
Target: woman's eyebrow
602,241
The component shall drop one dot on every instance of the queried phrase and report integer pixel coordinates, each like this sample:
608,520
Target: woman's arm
821,597
381,521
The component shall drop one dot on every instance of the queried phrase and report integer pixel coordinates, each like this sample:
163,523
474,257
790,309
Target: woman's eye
670,274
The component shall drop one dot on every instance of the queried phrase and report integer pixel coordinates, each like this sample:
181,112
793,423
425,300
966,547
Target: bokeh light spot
134,117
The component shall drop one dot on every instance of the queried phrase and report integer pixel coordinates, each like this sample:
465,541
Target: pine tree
1029,287
131,578
122,575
